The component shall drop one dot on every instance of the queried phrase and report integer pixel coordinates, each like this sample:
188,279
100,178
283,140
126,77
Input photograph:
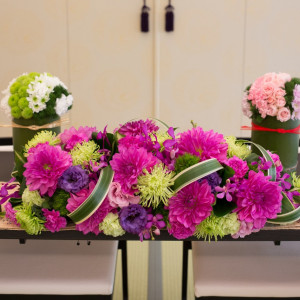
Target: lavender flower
133,218
73,179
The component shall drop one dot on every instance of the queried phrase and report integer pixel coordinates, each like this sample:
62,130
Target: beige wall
117,73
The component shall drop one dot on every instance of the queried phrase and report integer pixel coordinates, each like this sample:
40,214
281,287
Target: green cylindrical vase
284,144
21,136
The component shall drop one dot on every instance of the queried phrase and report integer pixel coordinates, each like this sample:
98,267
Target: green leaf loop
95,199
195,172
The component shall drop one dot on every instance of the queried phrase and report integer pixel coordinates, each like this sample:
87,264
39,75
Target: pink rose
279,93
268,89
283,114
283,78
272,110
118,199
280,102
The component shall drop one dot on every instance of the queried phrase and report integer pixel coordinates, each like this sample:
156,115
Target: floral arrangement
273,94
36,96
144,178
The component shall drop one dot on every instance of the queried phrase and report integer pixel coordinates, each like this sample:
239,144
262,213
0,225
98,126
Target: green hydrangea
60,201
28,221
214,226
42,137
111,225
154,187
32,197
236,148
185,161
85,152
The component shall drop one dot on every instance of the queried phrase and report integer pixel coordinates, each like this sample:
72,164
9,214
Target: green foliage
185,161
59,201
226,173
110,143
222,207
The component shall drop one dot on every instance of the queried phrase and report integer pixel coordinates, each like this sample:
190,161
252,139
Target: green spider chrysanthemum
217,226
236,148
42,137
295,181
28,221
85,152
32,197
154,187
111,225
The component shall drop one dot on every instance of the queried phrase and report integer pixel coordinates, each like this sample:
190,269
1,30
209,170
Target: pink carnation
92,223
70,137
258,199
45,164
54,222
239,166
246,228
119,199
205,144
129,164
190,206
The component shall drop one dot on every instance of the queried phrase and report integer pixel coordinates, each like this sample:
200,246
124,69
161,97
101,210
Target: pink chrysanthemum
190,206
54,222
70,137
130,141
205,144
239,166
92,223
129,164
45,164
138,128
258,199
10,213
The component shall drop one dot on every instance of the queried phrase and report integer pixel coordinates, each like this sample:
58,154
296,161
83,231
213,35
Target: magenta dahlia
204,144
190,206
45,164
70,137
129,164
138,128
92,223
258,199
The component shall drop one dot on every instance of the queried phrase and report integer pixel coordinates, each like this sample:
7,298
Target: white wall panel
271,40
201,64
33,38
110,62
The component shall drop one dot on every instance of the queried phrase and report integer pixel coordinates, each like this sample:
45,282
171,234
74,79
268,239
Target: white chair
246,269
57,268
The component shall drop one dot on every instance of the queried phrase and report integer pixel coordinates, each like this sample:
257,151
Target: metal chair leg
185,252
123,248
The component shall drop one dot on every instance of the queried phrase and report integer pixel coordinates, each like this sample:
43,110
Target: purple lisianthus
213,180
133,218
73,179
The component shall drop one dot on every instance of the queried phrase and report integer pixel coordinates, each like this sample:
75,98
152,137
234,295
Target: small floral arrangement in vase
272,101
35,101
